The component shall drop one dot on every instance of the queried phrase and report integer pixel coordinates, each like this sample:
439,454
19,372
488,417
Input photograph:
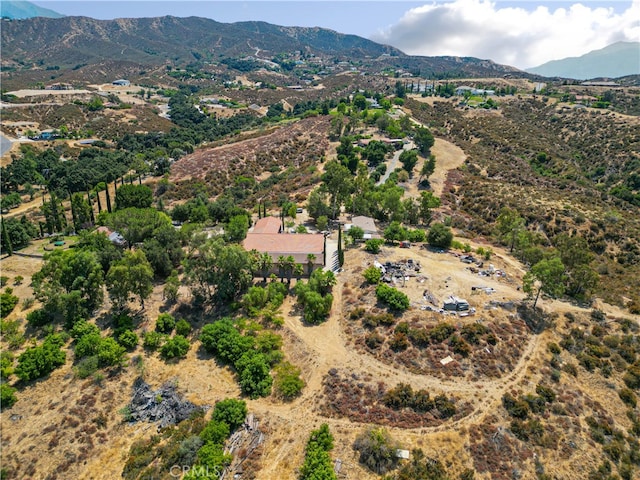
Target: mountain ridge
613,61
17,10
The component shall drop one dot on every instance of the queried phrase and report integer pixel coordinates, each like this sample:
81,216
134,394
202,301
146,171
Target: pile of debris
164,405
242,444
393,272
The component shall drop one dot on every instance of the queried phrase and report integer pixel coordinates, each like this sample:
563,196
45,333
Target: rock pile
164,405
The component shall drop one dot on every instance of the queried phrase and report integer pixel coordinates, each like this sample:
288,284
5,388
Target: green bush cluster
252,364
317,462
315,296
38,361
175,347
395,299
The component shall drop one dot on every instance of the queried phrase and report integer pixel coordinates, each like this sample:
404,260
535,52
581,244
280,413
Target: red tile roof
299,245
267,225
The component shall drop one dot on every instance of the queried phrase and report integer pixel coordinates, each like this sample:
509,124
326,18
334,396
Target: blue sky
518,33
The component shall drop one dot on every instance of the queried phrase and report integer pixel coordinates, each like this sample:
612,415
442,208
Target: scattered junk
446,360
478,289
455,304
467,259
337,465
405,244
402,454
429,297
394,272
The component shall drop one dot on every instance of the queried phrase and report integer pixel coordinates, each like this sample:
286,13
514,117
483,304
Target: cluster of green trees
563,268
315,296
252,354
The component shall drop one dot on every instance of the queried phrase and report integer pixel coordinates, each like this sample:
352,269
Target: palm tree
310,259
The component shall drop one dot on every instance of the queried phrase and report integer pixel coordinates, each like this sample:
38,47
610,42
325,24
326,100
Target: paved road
394,162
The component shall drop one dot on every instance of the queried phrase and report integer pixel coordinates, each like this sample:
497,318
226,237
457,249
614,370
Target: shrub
632,377
86,367
7,396
165,323
230,411
28,302
3,280
395,299
373,245
546,393
128,339
177,346
440,236
216,431
441,332
416,236
6,364
373,340
287,383
628,397
372,275
39,317
183,327
377,450
152,340
36,362
8,302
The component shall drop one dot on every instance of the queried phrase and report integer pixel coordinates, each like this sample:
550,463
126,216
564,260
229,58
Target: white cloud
512,36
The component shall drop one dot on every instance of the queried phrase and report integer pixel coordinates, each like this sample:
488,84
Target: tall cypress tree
6,241
106,192
93,218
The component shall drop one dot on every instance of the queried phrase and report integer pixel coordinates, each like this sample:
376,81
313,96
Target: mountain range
20,10
46,38
616,60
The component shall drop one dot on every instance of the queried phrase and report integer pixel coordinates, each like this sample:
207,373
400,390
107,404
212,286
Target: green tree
219,272
230,411
318,205
7,396
424,140
576,256
81,212
67,275
409,159
133,196
132,275
237,228
395,233
175,347
546,276
395,299
355,233
137,224
337,182
509,224
372,275
440,236
317,462
38,361
428,167
165,323
253,372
